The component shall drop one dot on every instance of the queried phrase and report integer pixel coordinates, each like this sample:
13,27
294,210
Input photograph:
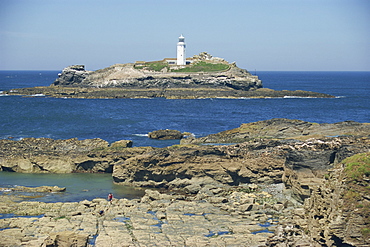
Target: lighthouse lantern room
181,59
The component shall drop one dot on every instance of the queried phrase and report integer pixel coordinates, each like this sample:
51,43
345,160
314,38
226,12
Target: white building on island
181,58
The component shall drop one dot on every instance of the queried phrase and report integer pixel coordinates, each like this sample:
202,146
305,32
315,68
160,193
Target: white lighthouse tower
181,59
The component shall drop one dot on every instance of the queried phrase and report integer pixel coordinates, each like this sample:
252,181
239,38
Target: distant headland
200,76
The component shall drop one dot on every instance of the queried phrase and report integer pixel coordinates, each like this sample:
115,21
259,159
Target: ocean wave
38,95
5,189
13,138
189,135
141,135
299,97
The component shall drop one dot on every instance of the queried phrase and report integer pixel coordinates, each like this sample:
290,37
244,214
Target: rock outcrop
281,128
184,166
45,155
299,164
338,210
72,75
166,134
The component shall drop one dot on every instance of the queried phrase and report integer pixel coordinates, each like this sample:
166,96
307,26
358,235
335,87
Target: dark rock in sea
71,75
165,134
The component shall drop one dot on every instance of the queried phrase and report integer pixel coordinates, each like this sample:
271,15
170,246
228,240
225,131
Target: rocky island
204,77
278,182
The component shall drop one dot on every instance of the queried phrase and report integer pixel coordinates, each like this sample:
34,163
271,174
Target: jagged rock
72,75
165,134
122,144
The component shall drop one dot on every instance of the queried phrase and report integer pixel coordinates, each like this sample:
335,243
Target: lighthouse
181,59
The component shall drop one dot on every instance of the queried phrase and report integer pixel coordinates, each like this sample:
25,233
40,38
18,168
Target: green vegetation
196,67
155,66
365,232
61,217
358,167
203,67
357,173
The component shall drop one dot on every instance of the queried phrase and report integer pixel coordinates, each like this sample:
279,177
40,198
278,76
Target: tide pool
79,186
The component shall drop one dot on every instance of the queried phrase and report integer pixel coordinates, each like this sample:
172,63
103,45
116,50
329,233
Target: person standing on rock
110,197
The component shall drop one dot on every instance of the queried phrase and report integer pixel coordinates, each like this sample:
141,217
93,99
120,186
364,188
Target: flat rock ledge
168,93
282,128
216,216
42,189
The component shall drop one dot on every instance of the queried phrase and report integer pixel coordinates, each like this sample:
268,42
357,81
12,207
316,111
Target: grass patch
61,217
155,66
357,167
365,232
357,173
203,67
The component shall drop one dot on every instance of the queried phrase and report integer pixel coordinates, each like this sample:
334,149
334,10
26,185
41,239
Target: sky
259,35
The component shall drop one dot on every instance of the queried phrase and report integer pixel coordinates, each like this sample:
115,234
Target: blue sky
262,35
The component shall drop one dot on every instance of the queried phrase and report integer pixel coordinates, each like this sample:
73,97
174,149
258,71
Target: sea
133,119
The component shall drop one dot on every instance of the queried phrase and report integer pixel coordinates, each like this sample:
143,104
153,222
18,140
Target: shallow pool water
79,186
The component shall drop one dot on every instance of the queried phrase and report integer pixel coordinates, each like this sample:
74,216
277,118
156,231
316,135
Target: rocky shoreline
277,182
168,93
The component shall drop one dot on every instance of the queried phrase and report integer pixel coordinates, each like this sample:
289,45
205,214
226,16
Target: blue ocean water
116,119
132,119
